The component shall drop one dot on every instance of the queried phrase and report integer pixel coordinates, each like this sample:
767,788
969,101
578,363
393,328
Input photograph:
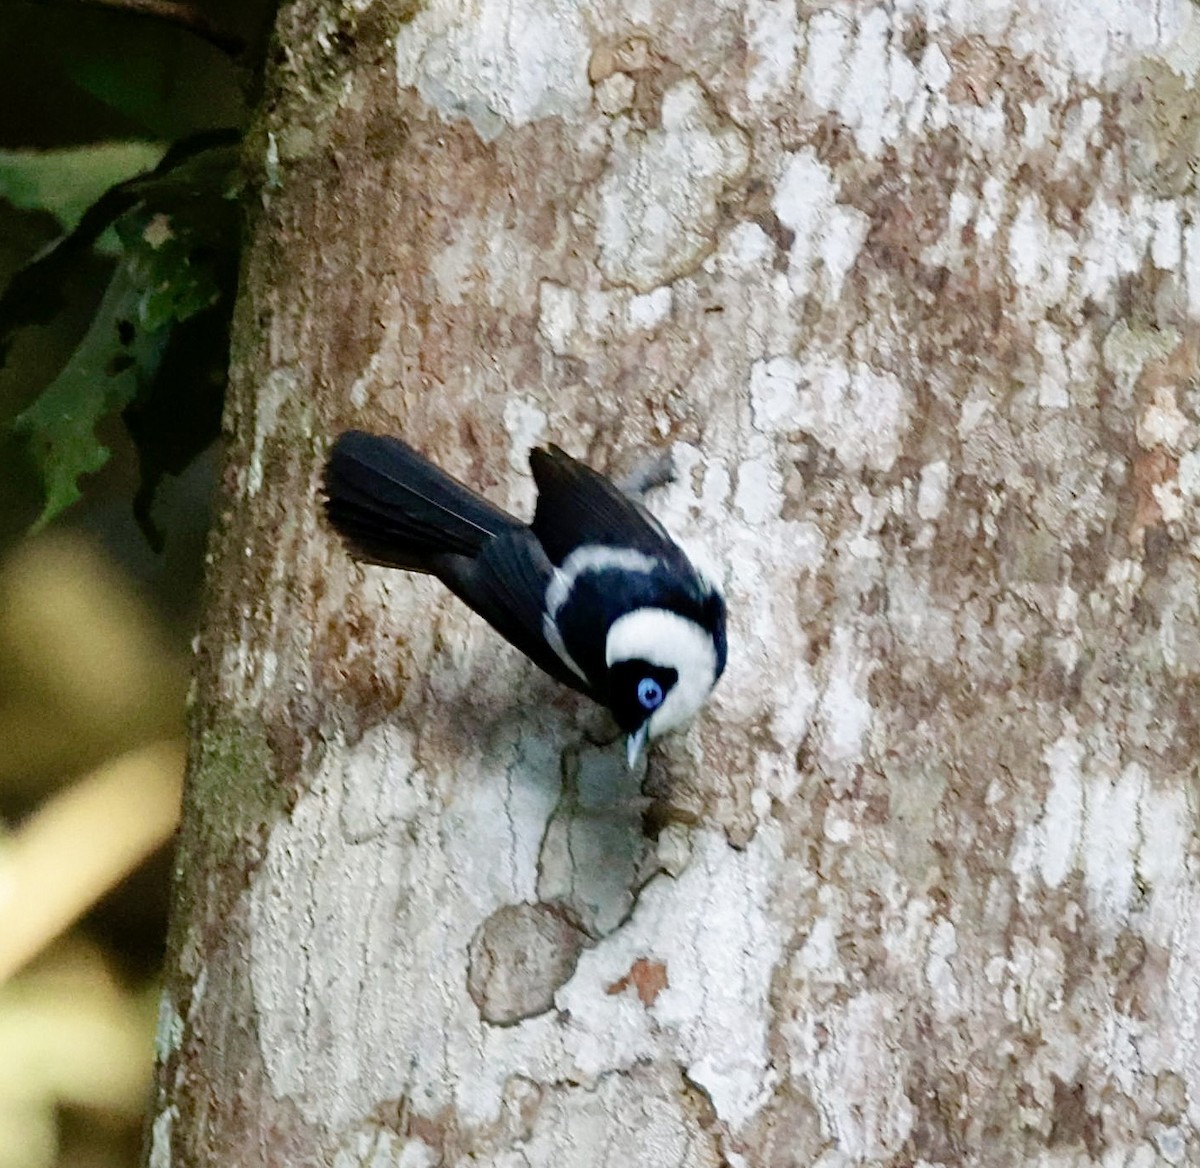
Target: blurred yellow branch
81,843
86,673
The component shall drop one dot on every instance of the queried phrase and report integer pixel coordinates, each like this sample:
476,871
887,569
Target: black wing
394,507
577,505
506,584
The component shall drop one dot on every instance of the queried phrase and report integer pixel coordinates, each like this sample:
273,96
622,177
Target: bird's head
661,668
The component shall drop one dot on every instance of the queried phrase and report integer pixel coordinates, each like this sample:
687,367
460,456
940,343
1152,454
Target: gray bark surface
910,292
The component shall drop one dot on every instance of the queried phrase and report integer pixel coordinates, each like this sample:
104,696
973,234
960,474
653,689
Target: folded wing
578,506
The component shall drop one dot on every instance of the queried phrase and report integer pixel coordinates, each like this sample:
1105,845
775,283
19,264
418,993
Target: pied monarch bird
593,591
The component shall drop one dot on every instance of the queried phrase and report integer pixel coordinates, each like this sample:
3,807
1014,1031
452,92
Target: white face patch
671,641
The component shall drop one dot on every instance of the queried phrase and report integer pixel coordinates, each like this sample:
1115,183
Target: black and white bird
593,591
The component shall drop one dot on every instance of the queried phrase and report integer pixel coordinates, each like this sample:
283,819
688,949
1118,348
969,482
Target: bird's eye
650,693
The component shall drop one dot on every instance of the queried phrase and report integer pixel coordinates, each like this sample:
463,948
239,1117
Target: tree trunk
911,293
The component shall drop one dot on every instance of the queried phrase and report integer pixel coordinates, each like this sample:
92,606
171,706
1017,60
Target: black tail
394,507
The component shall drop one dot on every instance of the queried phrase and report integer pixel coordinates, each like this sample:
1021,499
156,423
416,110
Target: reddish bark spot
648,977
1151,468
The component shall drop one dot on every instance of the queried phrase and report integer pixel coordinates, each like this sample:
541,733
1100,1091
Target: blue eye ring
649,693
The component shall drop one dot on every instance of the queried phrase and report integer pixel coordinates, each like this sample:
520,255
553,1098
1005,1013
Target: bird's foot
655,469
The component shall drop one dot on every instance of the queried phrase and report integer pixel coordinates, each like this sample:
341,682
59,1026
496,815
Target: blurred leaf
178,416
169,254
28,1132
180,238
162,70
70,1002
67,182
86,672
195,171
35,295
81,843
134,85
100,377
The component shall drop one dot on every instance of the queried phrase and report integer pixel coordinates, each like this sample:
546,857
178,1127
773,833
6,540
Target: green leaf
167,253
178,415
66,182
197,177
179,231
103,375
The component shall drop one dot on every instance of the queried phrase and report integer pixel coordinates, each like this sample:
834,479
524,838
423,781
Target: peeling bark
910,291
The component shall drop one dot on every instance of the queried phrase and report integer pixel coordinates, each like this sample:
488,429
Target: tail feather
394,507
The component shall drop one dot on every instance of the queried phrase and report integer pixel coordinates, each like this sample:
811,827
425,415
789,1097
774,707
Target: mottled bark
910,290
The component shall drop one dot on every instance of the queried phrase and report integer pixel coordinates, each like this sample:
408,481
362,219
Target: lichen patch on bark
658,199
510,65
